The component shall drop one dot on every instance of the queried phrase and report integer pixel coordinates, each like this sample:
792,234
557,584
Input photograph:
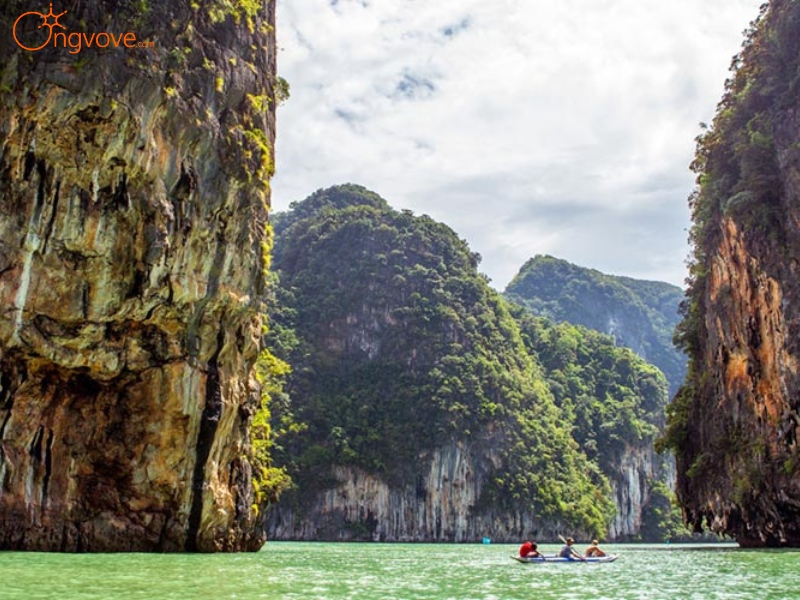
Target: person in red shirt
528,550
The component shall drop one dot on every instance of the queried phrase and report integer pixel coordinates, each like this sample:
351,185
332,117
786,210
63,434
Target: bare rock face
133,203
365,507
738,470
441,507
736,423
631,485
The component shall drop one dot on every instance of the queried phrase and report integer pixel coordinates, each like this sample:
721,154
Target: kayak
557,559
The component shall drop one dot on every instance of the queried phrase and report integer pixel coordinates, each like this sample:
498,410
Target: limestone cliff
632,480
441,506
736,421
133,204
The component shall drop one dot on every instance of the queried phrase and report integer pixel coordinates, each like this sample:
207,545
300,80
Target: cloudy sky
560,127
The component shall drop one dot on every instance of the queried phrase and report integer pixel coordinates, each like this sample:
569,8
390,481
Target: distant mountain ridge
639,314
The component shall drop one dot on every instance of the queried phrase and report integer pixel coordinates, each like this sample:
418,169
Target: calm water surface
309,571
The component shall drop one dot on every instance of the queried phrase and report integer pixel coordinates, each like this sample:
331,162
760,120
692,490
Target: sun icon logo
45,23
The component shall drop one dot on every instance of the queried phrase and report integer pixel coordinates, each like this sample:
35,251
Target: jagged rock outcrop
736,421
133,202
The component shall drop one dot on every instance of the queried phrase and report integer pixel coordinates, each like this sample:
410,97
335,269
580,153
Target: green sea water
309,571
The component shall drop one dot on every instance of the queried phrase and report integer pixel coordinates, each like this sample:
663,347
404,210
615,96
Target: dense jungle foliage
613,397
614,400
399,345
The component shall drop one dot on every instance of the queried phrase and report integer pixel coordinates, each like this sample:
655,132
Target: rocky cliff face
738,467
631,485
133,203
363,506
441,507
736,422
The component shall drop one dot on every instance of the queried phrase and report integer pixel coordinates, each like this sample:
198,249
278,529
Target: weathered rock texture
442,506
631,484
735,424
363,506
133,203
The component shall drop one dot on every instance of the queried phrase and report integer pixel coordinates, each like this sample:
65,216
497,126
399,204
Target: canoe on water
557,559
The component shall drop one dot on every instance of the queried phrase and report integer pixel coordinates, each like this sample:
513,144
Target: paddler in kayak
529,550
568,552
593,551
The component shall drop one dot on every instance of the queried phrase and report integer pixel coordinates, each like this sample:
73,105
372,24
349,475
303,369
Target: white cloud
550,126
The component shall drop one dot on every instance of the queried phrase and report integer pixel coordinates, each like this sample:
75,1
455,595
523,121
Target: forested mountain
735,424
640,315
420,405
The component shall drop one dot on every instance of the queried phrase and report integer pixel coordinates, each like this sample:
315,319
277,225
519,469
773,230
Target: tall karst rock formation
736,421
133,203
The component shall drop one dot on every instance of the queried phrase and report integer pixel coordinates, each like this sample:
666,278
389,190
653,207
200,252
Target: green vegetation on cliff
640,315
613,397
615,401
398,346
